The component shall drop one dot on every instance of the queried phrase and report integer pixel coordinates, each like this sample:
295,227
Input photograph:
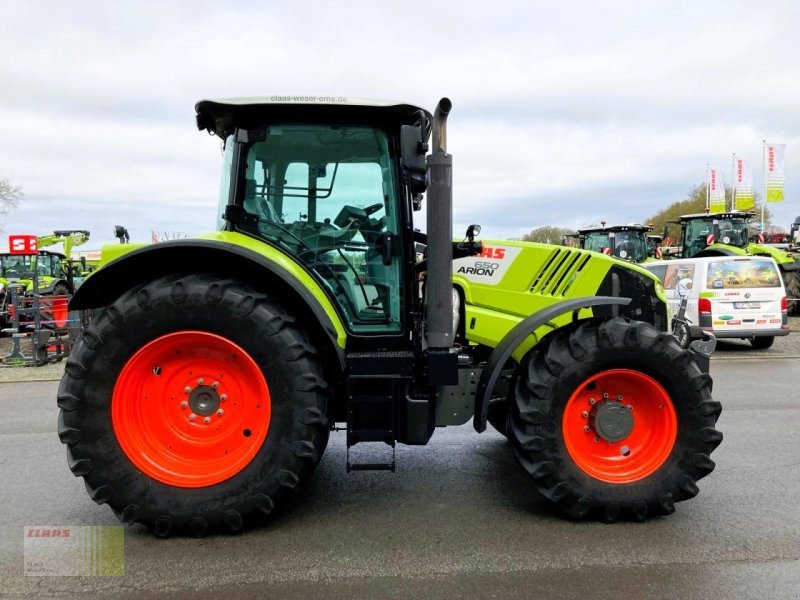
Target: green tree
694,202
546,234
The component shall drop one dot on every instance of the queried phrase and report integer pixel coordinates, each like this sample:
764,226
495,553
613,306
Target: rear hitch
701,350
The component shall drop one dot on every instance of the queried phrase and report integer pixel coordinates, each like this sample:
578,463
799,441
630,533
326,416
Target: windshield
731,231
326,194
628,245
17,265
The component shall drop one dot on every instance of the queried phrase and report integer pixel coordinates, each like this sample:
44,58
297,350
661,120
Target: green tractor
627,242
199,400
726,234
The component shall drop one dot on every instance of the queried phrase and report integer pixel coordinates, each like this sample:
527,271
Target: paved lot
458,519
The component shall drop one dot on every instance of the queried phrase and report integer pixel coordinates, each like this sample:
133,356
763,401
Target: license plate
747,305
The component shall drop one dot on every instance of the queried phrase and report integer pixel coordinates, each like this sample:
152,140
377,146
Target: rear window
677,273
747,273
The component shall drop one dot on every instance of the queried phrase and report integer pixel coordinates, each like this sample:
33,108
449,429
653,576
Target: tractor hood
221,117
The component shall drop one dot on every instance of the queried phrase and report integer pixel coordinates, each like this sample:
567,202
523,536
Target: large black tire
557,367
762,343
298,428
791,281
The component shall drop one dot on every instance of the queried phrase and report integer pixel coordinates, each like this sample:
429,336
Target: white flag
716,191
775,171
743,185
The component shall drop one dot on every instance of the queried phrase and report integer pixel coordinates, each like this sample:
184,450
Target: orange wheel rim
191,409
610,445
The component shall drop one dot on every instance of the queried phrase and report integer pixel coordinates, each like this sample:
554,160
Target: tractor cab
654,242
698,231
44,264
628,242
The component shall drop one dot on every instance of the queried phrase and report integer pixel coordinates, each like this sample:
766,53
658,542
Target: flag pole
764,186
708,188
733,183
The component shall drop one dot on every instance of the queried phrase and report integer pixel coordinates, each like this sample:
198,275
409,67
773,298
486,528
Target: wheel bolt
192,417
596,439
629,407
585,414
605,395
215,385
586,428
187,389
184,404
223,397
207,420
592,401
619,397
201,381
220,412
625,451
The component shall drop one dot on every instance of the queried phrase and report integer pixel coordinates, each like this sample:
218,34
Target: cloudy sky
565,113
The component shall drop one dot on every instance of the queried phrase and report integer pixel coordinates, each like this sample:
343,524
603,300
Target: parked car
729,296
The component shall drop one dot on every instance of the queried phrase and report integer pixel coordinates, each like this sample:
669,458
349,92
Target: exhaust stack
442,363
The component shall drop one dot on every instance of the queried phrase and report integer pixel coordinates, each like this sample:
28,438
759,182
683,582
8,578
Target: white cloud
565,112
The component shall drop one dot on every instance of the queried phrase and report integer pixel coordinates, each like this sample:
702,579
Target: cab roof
222,116
731,214
602,228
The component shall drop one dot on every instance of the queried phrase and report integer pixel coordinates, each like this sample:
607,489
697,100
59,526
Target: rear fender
287,281
503,351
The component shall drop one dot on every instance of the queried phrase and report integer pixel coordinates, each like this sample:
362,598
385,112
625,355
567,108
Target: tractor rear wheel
791,281
193,404
613,420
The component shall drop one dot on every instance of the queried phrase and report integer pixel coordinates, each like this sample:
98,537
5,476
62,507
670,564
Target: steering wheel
373,208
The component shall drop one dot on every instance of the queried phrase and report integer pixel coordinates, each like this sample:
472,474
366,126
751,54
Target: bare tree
10,196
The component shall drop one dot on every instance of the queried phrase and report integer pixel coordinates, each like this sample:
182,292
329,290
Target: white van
729,296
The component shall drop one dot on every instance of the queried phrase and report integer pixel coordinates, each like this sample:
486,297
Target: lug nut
187,389
223,397
220,412
215,385
605,395
184,404
624,451
619,397
585,414
592,401
201,381
596,439
207,420
586,428
192,417
629,407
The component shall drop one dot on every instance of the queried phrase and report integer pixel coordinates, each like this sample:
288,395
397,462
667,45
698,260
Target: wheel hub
204,400
613,421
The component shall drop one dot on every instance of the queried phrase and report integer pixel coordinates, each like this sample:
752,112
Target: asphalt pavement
458,519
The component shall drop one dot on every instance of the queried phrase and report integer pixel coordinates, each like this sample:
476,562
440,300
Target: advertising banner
716,191
743,191
775,171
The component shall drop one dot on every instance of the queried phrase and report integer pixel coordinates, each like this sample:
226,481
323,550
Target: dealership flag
743,185
776,175
716,191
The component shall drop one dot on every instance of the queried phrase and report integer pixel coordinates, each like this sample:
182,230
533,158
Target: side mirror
413,150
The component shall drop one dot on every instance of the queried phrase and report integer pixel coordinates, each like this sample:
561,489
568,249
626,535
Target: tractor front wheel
613,420
193,404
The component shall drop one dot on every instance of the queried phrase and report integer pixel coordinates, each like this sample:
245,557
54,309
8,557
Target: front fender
503,351
261,266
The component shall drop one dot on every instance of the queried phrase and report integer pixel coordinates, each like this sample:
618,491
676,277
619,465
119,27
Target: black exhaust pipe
442,362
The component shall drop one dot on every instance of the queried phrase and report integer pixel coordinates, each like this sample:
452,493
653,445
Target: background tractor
628,242
54,271
199,400
726,234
